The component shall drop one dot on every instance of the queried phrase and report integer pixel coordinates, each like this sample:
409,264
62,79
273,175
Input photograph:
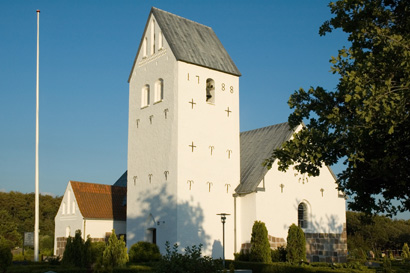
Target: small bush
278,254
6,257
296,245
115,254
97,249
243,256
144,252
260,248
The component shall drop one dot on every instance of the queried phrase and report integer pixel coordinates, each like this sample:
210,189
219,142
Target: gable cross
166,175
135,179
192,146
228,111
192,103
165,112
212,148
209,184
281,187
150,176
227,187
190,182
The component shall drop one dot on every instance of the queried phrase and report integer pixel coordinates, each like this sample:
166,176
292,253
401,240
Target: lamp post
223,220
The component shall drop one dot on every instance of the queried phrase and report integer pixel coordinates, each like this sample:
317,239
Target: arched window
303,215
144,48
210,91
145,96
152,37
67,232
159,90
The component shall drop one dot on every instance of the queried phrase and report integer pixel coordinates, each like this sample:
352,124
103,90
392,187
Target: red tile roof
100,201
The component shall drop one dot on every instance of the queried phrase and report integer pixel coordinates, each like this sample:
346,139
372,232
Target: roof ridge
183,18
282,123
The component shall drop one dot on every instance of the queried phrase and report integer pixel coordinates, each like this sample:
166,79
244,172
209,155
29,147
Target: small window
302,215
210,91
144,48
160,43
63,212
67,232
68,201
145,96
152,37
159,90
73,207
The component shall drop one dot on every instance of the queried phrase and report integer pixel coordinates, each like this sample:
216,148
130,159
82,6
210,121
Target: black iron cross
192,146
228,111
281,187
192,103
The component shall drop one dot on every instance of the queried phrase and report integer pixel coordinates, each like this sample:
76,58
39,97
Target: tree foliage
260,247
376,233
77,252
295,245
115,254
365,120
17,215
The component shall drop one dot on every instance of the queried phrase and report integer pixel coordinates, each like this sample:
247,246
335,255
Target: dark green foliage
144,252
5,255
296,245
260,248
243,256
97,250
375,233
365,120
115,254
77,252
279,254
190,261
17,215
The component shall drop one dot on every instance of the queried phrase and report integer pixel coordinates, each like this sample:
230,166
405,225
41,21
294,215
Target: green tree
5,254
365,120
295,245
8,229
405,251
260,247
77,251
115,254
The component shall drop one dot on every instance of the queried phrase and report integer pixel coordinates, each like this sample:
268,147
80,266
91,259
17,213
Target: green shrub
243,256
97,250
77,252
278,254
144,252
405,251
191,261
260,248
6,257
115,254
296,245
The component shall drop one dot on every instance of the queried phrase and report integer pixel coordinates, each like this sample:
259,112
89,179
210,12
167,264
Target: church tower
183,137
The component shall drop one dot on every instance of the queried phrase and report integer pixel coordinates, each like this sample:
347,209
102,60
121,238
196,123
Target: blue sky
86,52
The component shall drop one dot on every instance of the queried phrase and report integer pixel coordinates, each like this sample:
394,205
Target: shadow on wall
217,249
158,222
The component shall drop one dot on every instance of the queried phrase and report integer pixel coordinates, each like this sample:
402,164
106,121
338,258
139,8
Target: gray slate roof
256,146
193,43
122,181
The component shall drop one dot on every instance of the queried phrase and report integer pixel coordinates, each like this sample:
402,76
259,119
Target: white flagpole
37,209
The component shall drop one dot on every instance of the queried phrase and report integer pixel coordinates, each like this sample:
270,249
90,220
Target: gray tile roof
193,43
256,146
122,181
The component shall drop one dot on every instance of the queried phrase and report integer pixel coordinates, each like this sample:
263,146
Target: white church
188,161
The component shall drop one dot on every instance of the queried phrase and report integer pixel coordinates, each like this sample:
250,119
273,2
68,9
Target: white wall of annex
97,228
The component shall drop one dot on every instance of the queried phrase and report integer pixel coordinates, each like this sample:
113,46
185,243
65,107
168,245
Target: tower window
303,215
145,96
152,37
210,91
144,48
160,43
159,90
